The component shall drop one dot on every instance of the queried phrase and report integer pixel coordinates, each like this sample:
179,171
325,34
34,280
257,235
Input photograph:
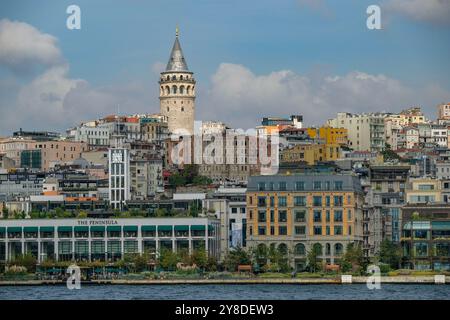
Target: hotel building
299,211
105,239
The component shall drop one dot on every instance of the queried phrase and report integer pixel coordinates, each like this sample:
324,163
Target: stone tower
177,92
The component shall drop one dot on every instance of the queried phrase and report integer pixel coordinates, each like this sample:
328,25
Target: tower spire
176,60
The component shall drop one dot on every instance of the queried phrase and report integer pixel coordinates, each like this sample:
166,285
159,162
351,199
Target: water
229,292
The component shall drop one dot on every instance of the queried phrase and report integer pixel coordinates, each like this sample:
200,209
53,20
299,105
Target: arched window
167,109
167,90
181,77
181,89
317,247
182,109
168,77
174,89
188,89
174,77
299,249
327,249
338,249
282,247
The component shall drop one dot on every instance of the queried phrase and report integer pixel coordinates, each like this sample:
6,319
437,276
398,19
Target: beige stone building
177,93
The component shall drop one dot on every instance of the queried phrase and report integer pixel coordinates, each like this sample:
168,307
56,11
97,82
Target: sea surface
228,292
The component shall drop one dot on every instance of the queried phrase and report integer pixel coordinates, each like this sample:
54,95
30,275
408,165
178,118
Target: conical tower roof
176,60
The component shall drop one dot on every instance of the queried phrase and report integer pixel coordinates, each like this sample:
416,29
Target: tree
389,154
5,212
236,257
82,215
168,259
390,253
313,258
353,257
200,258
27,260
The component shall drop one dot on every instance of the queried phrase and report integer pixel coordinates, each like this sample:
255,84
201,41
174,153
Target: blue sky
123,42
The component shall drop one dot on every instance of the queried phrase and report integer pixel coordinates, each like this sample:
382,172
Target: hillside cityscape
163,192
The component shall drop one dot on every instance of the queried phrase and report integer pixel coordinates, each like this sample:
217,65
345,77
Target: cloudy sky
251,58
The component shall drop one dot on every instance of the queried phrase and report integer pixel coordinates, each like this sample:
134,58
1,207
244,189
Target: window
300,216
282,231
317,216
337,215
261,216
282,186
317,201
272,201
327,216
338,185
337,230
317,185
282,216
300,185
338,201
272,231
261,186
261,201
300,249
327,201
299,201
282,201
349,230
349,214
317,231
327,230
300,230
261,231
272,216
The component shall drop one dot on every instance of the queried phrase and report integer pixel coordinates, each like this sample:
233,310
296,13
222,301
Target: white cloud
240,98
434,11
22,46
53,100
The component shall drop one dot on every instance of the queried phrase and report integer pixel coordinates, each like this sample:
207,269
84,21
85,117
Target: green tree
27,260
5,212
390,253
200,258
236,257
312,257
353,257
161,212
168,259
82,214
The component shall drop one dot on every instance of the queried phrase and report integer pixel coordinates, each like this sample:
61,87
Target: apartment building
296,212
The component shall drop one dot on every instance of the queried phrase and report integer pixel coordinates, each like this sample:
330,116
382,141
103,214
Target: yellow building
423,190
329,135
311,153
295,213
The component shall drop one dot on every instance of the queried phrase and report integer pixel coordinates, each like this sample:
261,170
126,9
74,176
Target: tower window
167,109
182,108
181,77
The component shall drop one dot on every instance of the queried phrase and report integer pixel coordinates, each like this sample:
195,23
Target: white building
365,131
119,177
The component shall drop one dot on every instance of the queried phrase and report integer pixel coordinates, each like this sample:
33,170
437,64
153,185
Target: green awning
65,229
440,225
98,228
81,229
2,229
113,228
164,228
30,229
47,229
148,228
130,228
198,228
181,228
14,229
